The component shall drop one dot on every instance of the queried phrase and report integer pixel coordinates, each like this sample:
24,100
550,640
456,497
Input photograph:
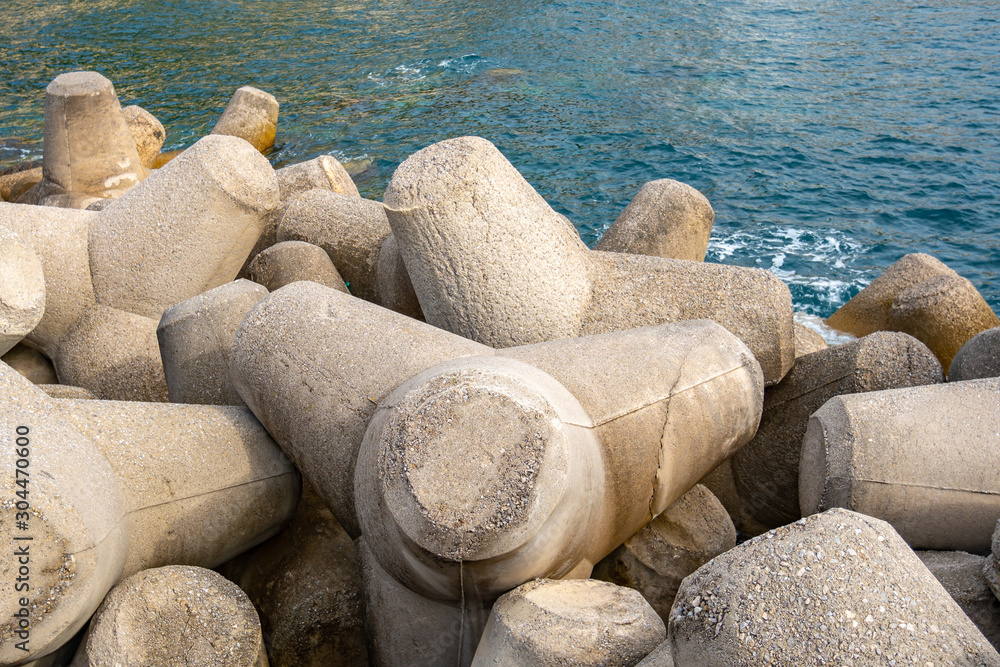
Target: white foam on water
830,335
467,63
818,261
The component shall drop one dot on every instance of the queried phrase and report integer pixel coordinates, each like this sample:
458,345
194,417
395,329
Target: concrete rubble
439,430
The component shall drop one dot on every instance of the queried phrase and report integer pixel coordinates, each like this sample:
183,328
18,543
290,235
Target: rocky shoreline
253,418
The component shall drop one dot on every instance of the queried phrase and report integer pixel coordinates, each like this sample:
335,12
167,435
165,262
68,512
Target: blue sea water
832,137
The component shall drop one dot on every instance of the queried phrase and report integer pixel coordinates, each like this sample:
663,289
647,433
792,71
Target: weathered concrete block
654,561
178,484
67,391
979,358
59,238
291,261
89,152
767,469
833,589
662,656
145,256
376,351
147,133
575,622
922,458
807,341
16,180
962,575
405,628
31,363
114,354
324,173
251,115
534,461
666,218
306,587
195,338
174,615
395,291
350,229
868,311
491,261
943,312
22,289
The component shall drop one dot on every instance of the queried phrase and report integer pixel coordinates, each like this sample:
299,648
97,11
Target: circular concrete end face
175,613
578,622
475,458
74,84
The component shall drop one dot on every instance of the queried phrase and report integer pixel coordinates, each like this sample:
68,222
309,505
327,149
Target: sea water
832,137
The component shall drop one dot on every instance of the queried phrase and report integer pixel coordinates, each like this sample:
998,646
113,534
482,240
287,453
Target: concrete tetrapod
89,152
868,310
567,448
766,471
146,255
583,622
491,261
19,178
251,115
355,233
924,459
836,588
112,488
290,261
184,230
321,173
979,358
31,363
174,615
666,218
22,290
195,338
147,133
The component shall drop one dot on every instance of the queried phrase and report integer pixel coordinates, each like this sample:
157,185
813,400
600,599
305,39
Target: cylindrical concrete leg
924,459
174,615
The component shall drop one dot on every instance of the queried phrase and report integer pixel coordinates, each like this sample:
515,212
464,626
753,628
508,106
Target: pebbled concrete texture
571,622
491,261
978,358
868,311
186,229
834,588
943,312
147,133
175,614
195,339
350,229
22,290
290,261
666,218
178,484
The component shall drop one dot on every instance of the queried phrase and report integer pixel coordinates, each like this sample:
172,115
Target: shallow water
831,138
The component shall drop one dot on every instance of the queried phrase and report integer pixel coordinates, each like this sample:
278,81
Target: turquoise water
831,137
